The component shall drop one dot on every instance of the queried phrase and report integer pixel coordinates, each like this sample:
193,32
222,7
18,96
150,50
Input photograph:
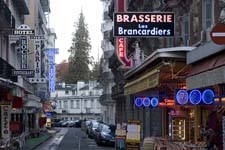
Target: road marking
218,34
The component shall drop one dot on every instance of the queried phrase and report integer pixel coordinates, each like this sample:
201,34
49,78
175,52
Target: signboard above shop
194,97
143,24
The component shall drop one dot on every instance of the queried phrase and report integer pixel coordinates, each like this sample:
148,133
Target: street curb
51,135
41,143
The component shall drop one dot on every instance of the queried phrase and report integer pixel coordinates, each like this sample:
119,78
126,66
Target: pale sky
62,18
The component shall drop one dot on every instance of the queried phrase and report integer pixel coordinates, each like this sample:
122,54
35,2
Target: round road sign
218,34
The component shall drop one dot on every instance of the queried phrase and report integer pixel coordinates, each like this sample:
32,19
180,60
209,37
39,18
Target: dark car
65,123
106,135
78,123
59,124
92,129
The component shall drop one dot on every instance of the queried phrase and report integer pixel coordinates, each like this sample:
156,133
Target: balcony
108,75
106,26
105,99
6,18
45,5
26,85
106,35
108,54
117,91
41,15
22,6
6,70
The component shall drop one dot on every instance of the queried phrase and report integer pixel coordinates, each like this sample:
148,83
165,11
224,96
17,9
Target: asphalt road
71,139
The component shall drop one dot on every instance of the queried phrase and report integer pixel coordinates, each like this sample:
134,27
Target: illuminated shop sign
121,52
182,97
143,24
146,102
51,58
5,113
208,96
194,97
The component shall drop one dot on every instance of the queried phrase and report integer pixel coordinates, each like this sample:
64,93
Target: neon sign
195,97
51,59
182,97
208,96
154,102
146,102
139,24
138,102
121,52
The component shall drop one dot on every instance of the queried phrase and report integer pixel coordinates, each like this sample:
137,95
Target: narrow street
71,139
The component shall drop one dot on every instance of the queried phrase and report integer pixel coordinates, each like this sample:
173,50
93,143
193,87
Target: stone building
179,62
78,101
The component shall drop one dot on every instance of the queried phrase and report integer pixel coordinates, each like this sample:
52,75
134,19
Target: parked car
78,123
92,128
65,123
59,124
106,135
71,123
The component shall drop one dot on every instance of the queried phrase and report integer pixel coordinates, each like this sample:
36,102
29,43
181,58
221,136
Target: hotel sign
136,24
24,51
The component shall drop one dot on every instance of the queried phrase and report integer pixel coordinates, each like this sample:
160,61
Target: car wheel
99,143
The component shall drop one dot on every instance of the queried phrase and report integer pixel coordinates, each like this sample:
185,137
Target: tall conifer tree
79,53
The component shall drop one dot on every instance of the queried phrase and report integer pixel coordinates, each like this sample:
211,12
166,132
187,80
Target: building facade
108,103
189,61
20,97
78,101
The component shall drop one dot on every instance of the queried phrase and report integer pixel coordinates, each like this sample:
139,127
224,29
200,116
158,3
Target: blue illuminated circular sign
182,97
208,96
146,102
138,102
154,102
195,97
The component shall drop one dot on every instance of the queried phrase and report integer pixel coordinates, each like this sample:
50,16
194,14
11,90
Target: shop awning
207,78
32,101
207,64
147,81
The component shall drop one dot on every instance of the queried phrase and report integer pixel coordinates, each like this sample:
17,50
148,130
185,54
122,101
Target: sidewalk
32,143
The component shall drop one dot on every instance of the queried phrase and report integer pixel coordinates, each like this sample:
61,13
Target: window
60,104
73,92
207,13
92,104
78,104
185,30
85,103
72,104
65,104
170,42
98,105
90,93
66,92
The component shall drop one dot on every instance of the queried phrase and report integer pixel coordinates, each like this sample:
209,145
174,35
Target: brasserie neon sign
143,24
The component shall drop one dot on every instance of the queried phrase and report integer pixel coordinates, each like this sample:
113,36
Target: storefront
158,77
208,72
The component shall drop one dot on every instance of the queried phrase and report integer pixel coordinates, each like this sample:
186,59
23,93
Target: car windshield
95,125
109,129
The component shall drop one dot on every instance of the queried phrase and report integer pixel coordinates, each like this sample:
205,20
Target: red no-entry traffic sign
218,34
